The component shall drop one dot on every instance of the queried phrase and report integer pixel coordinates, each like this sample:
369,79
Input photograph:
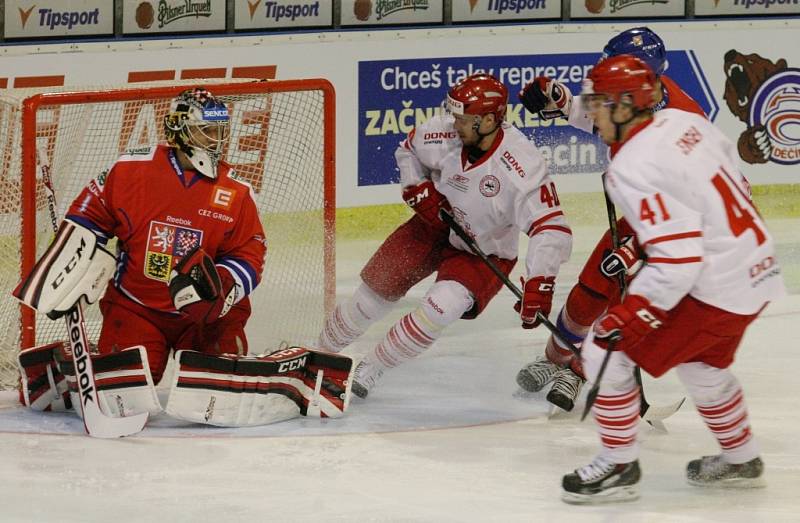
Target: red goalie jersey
158,213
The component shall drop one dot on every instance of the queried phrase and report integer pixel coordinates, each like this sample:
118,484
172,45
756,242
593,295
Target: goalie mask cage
281,142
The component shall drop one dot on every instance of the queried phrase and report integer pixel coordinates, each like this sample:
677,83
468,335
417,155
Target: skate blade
736,483
613,495
658,426
553,411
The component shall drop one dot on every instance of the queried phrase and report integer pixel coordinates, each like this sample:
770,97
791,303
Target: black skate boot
566,387
365,377
536,374
714,471
602,482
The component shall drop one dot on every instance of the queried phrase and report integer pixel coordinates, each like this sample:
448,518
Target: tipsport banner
394,96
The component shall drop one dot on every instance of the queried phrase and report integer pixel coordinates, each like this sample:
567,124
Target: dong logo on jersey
512,164
166,245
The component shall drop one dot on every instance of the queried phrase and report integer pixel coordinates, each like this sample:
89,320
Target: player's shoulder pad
138,154
675,133
437,130
519,158
234,179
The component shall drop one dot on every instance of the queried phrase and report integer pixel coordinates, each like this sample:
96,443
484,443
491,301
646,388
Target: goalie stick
97,424
644,406
652,415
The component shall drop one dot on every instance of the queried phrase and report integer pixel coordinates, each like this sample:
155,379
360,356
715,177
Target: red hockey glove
627,323
547,97
427,201
624,258
537,296
198,290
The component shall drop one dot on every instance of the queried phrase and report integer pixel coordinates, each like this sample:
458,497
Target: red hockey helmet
623,76
478,94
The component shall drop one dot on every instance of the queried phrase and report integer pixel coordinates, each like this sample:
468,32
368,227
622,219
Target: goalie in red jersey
597,286
190,249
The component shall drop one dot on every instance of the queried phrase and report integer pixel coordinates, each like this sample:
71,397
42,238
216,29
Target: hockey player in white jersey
597,287
494,182
710,271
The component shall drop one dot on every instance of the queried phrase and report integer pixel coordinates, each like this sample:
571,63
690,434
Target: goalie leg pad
124,384
242,391
44,387
74,265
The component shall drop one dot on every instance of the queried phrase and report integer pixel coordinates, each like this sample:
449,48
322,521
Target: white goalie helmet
199,125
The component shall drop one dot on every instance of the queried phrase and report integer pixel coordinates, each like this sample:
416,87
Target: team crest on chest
489,186
166,245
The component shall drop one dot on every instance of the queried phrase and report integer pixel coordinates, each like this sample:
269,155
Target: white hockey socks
617,418
616,409
352,318
719,399
444,303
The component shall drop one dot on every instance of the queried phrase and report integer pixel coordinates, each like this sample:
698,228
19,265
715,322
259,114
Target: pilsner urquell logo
169,13
386,7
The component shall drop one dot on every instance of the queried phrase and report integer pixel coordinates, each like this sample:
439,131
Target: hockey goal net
281,142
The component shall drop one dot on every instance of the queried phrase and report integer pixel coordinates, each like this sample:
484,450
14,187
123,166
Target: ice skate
535,375
566,387
602,481
714,471
365,377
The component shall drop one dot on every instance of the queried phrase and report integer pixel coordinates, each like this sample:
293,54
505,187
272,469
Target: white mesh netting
277,144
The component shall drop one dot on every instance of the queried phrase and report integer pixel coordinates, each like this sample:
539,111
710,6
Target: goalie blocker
229,390
73,266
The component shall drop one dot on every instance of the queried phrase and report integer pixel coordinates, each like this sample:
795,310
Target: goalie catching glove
74,266
198,290
427,202
548,98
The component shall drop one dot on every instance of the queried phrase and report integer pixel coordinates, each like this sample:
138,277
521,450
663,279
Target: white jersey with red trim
504,192
678,183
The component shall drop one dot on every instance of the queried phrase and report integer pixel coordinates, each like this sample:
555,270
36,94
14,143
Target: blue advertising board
394,96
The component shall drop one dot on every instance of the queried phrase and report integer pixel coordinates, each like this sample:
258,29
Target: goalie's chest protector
162,213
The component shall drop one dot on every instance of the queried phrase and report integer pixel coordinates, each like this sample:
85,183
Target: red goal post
282,143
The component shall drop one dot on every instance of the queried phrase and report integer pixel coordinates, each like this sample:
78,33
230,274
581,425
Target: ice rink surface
446,438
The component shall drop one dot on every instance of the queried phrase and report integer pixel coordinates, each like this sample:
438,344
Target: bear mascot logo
765,95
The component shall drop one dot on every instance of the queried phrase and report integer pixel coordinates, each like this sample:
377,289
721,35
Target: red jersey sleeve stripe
690,259
561,228
544,219
672,237
407,141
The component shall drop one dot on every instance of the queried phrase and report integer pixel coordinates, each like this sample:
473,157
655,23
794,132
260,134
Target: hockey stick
461,233
659,413
97,424
653,415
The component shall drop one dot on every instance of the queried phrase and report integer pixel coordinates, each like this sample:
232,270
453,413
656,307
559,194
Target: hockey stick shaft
591,396
96,423
473,246
644,406
611,212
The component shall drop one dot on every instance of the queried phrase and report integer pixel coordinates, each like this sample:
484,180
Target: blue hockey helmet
642,43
